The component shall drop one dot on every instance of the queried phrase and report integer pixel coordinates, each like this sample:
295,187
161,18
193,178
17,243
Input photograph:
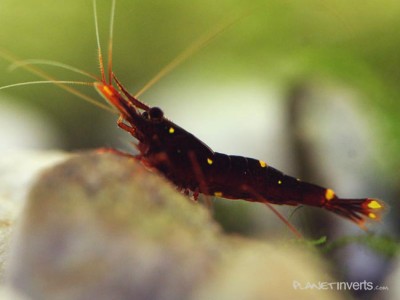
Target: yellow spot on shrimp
209,161
374,205
279,181
263,164
171,130
218,194
372,215
329,194
107,90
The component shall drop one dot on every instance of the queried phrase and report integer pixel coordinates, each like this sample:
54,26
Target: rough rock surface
100,226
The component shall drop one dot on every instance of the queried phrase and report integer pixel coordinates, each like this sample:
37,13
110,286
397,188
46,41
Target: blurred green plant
383,245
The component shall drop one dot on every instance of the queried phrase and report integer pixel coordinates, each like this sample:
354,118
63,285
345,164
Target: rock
18,171
6,293
101,226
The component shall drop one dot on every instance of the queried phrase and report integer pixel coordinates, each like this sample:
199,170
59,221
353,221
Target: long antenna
22,63
99,52
110,42
188,52
46,82
12,58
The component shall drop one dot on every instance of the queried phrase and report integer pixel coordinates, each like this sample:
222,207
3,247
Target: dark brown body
192,166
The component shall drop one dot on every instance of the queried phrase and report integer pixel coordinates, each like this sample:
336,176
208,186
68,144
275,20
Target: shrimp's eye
156,113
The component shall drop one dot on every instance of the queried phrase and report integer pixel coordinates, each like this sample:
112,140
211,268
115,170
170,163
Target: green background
319,46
